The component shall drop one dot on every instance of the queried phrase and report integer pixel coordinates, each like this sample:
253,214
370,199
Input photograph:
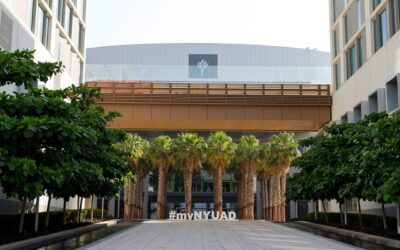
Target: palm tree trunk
162,193
276,198
46,223
78,214
128,199
22,216
384,217
359,213
80,210
316,210
323,206
36,224
137,212
283,199
244,194
187,175
64,210
250,196
217,181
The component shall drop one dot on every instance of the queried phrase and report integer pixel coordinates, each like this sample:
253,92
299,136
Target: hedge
369,221
9,223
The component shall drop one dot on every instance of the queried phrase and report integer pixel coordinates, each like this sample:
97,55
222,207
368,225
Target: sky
289,23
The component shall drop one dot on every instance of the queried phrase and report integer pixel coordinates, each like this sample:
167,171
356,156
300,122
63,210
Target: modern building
365,64
56,30
241,89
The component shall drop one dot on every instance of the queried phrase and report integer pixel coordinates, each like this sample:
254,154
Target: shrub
369,221
9,223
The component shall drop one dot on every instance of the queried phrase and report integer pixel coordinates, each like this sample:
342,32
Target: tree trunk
80,210
119,205
244,193
359,213
36,224
341,213
316,210
276,198
102,208
162,193
128,199
91,208
137,212
384,217
325,215
64,210
46,223
250,196
283,199
187,176
22,217
217,181
78,214
345,212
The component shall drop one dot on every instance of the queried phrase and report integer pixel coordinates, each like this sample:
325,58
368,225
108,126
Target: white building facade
365,62
56,30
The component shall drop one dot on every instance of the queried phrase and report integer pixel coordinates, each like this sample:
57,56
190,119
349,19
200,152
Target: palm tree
248,153
220,152
284,148
137,148
160,156
264,174
189,151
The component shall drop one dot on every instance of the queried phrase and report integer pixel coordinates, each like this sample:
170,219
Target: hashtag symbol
172,215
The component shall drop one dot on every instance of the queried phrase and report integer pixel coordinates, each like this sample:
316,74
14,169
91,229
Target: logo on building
203,66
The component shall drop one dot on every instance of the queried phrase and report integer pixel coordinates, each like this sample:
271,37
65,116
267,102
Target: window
394,10
32,14
354,19
392,93
381,30
337,80
6,26
68,20
356,55
81,39
373,103
357,113
351,61
59,8
338,7
375,4
49,3
335,43
42,29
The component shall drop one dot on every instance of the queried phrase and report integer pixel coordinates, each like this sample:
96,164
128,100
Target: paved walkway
215,235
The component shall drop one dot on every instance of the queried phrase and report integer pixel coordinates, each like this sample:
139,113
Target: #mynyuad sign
202,215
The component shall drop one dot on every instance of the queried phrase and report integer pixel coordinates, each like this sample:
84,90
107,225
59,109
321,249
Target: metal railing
213,94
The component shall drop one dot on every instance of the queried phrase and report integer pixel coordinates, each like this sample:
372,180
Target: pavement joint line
281,240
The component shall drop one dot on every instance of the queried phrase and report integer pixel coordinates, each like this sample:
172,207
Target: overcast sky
291,23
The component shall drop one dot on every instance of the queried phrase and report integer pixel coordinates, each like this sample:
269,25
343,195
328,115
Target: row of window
385,24
381,100
41,21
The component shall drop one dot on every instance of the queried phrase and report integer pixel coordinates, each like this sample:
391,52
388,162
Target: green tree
160,154
247,155
189,151
220,153
137,148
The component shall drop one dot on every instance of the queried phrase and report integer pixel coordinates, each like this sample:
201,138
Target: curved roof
207,62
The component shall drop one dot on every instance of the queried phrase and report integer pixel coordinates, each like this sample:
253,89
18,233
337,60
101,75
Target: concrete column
146,196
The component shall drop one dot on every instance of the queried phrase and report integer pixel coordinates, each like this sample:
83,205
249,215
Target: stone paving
215,235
